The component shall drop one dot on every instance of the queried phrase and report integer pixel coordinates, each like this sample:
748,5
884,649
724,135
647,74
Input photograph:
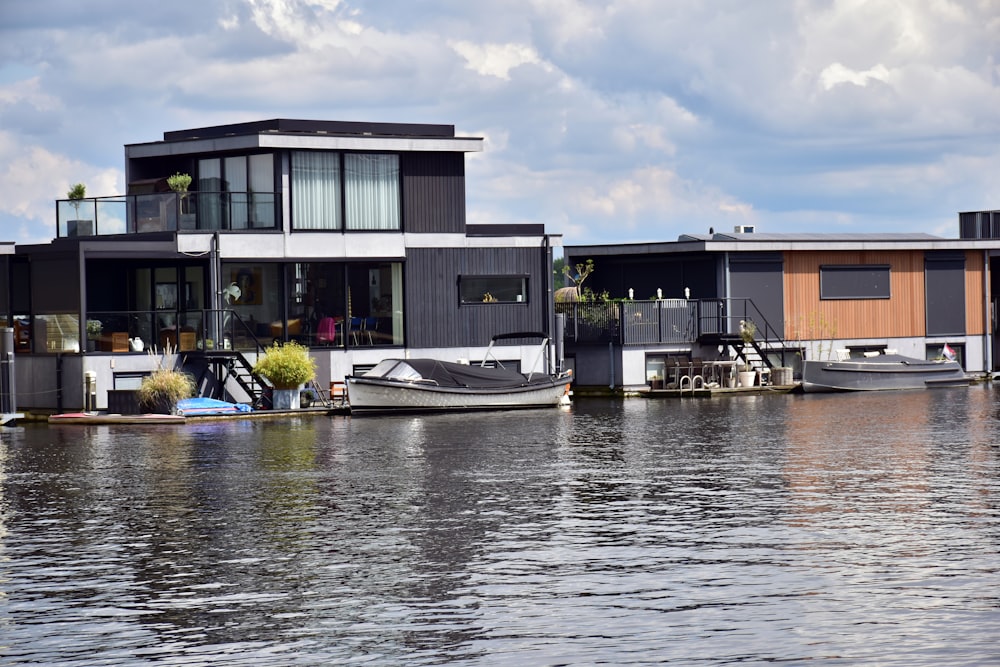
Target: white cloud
836,74
607,120
495,60
27,201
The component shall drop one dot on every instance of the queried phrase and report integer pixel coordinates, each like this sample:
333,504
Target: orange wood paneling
807,317
974,294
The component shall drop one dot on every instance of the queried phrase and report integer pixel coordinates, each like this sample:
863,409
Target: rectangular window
236,192
315,190
371,191
854,282
352,303
955,351
493,289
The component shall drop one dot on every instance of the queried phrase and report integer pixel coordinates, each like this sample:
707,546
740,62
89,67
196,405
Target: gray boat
882,372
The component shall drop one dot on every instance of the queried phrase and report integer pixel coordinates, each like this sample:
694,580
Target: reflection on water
834,529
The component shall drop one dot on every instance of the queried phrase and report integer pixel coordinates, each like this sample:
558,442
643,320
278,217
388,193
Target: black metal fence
662,321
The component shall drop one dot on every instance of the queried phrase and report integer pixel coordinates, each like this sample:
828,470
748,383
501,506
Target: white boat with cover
432,384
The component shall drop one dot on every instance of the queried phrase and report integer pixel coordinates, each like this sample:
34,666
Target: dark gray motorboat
885,371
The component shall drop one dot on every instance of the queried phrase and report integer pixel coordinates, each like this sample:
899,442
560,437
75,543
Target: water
833,530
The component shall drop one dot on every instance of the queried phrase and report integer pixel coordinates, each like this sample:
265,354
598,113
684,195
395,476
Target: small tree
582,272
75,195
179,182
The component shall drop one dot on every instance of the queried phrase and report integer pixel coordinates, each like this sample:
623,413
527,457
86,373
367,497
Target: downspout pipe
987,316
214,271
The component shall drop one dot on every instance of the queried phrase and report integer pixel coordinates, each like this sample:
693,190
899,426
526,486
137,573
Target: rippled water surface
834,530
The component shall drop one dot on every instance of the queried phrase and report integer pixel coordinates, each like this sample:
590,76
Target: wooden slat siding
433,315
975,300
901,315
433,192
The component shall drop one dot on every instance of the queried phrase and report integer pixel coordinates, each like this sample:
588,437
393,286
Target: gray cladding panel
433,192
945,289
55,285
434,316
762,282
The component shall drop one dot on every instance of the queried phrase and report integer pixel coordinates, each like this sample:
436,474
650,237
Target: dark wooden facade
435,316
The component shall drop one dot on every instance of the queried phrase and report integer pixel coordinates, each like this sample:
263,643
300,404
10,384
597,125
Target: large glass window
854,282
259,307
346,303
493,289
315,190
371,188
237,192
366,191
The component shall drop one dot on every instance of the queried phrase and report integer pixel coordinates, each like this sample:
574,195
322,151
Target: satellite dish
233,293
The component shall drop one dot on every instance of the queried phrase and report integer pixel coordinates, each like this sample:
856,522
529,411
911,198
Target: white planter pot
748,378
285,399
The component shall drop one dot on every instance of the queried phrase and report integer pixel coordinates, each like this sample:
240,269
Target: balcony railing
662,321
631,322
168,212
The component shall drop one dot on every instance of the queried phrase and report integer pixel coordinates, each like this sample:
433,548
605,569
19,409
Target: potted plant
94,328
180,183
747,375
747,331
286,367
78,227
161,390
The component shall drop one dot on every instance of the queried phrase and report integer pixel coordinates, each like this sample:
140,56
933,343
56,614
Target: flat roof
755,241
308,134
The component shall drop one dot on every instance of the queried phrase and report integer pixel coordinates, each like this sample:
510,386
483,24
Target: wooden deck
709,392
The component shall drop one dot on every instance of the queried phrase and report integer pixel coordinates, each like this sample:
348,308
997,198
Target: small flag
948,353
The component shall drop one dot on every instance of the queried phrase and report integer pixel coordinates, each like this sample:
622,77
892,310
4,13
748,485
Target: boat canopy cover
209,406
451,374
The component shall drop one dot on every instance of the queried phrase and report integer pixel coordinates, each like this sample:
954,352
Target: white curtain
372,191
315,190
236,185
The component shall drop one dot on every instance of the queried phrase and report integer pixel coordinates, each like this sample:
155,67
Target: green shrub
286,366
164,388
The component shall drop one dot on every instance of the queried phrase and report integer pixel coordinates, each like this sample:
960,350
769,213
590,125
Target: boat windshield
394,369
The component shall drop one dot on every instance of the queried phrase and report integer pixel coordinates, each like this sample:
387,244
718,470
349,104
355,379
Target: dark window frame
346,224
474,297
850,284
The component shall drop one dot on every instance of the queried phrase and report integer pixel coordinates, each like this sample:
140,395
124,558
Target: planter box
285,399
79,228
123,402
781,376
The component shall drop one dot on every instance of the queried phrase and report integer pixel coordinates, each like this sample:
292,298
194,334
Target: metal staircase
720,322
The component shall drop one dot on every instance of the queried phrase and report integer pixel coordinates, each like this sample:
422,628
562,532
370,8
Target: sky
609,122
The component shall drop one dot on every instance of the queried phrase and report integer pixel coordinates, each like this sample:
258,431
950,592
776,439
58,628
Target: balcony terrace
672,322
168,212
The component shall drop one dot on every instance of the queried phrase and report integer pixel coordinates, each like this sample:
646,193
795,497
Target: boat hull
371,395
882,373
